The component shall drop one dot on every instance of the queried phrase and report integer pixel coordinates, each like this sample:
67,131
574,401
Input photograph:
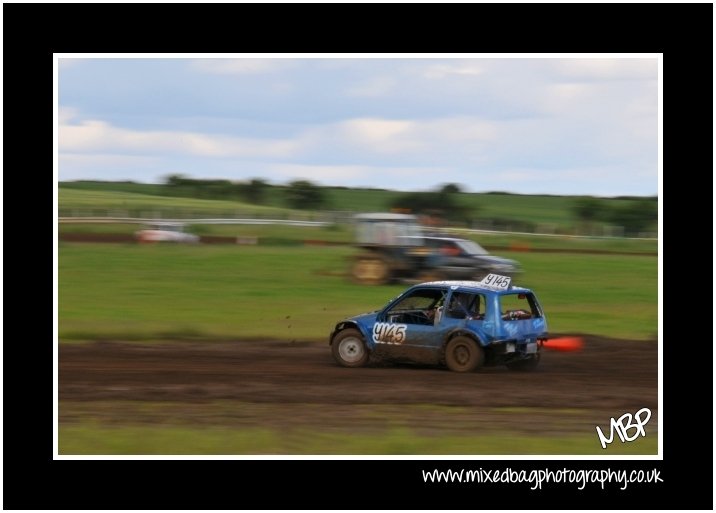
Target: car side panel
416,335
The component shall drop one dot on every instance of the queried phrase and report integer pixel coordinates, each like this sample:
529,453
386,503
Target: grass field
135,292
220,427
93,202
163,440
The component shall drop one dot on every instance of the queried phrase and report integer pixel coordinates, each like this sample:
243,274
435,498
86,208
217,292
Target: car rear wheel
462,354
349,348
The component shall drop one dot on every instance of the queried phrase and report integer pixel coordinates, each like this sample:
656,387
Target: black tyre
462,354
349,349
525,365
370,271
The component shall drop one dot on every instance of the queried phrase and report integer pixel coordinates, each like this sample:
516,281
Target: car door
411,322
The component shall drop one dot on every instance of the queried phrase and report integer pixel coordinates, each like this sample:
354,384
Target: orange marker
564,344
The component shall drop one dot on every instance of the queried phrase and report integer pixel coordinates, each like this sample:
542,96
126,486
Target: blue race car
461,324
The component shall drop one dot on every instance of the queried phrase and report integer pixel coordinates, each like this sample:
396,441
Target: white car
166,232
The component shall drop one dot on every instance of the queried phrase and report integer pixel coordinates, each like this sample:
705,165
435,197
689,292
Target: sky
574,125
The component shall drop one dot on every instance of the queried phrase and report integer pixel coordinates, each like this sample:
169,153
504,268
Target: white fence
153,220
299,222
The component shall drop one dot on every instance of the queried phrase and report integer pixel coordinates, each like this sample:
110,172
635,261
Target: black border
32,32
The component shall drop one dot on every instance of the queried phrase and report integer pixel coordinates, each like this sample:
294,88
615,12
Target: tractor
395,247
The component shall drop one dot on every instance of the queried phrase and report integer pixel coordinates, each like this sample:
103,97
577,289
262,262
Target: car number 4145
388,333
496,281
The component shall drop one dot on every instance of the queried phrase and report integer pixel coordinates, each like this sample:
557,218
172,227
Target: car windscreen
419,300
471,247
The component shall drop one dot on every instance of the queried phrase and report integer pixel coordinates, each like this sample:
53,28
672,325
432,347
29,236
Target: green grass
208,291
233,427
161,440
137,292
121,204
526,243
599,294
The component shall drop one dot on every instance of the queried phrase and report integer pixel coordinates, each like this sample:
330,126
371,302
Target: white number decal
495,281
387,333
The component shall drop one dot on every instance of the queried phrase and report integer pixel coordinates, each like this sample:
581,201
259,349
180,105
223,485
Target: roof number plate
496,281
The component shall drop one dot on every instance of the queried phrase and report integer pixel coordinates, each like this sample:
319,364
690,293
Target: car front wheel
349,348
462,354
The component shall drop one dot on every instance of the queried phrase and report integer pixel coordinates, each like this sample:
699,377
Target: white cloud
328,174
460,68
458,129
66,114
411,138
79,166
104,159
383,135
365,176
567,99
99,136
244,66
515,175
360,140
377,86
606,68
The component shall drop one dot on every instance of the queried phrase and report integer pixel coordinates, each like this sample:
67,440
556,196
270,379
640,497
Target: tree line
305,195
635,215
299,194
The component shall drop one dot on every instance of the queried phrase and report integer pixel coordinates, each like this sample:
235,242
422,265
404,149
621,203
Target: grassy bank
136,292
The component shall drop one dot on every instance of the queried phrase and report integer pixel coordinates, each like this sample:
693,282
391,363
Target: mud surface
607,373
281,383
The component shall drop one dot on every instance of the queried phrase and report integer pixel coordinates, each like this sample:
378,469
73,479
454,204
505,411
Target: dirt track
215,239
288,383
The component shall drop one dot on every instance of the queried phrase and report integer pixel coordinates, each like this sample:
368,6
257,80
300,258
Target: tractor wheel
370,271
